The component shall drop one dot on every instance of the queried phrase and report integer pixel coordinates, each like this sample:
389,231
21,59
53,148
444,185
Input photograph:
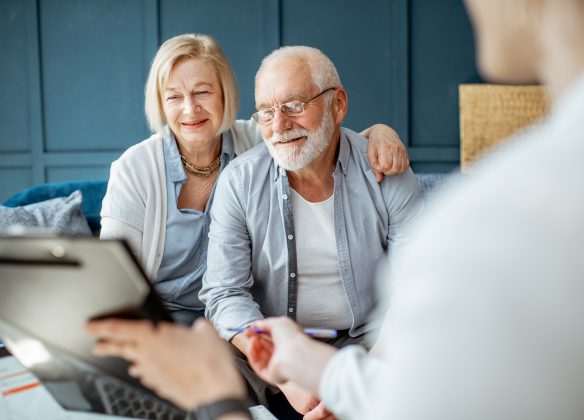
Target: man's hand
387,154
299,398
305,403
320,412
242,342
189,367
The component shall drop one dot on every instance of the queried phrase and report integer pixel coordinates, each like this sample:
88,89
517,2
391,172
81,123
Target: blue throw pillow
61,216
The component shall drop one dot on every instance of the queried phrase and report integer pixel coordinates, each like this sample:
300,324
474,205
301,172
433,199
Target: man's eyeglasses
290,109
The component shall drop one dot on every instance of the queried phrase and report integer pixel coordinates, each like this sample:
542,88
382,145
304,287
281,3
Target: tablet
49,288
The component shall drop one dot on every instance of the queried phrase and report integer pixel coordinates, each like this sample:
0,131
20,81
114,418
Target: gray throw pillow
61,216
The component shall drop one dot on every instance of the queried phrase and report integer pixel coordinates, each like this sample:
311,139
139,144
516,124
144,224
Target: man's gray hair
323,71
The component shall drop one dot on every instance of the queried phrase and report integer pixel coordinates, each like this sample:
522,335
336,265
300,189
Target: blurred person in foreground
485,317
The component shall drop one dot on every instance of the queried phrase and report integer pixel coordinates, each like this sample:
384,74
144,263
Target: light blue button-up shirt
185,247
251,261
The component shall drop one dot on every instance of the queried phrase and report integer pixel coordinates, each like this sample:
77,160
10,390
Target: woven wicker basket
491,113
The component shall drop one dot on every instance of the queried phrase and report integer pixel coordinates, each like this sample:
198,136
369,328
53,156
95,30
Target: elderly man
299,223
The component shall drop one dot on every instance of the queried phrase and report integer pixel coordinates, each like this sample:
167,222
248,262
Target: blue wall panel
14,180
66,173
72,72
239,26
93,73
14,89
357,40
442,57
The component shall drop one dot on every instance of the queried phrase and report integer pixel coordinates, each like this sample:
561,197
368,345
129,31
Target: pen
313,332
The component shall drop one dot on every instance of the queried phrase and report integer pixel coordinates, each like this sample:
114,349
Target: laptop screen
50,288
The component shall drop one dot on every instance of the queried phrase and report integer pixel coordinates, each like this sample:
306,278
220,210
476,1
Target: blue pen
313,332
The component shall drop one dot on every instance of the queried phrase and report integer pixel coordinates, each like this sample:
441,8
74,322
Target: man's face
294,141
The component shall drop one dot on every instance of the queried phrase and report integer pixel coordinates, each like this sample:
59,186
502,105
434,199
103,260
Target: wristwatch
219,408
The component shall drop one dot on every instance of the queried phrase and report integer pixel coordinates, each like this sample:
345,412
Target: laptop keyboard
121,400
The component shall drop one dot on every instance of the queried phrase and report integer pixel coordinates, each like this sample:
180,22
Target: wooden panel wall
72,72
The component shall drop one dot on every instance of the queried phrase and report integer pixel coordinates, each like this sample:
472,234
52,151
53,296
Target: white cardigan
134,206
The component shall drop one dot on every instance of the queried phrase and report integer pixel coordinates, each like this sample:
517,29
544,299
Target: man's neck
315,181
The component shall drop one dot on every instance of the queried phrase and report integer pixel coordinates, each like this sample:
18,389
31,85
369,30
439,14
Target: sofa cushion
431,182
62,216
93,192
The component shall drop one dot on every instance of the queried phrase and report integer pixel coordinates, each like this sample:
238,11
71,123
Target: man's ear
340,105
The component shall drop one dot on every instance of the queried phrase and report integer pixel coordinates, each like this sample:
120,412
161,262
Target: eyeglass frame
283,107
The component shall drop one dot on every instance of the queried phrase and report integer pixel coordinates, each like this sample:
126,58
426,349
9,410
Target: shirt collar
172,159
227,148
344,151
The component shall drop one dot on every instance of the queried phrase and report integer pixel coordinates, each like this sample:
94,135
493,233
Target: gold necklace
198,170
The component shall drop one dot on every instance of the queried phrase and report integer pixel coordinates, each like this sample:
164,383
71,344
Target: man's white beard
295,157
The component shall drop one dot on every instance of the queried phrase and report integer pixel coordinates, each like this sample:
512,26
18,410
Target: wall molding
263,29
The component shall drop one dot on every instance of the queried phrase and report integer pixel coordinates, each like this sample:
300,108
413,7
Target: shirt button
292,275
290,237
284,196
290,309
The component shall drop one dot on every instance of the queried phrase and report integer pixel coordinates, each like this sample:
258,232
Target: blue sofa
93,192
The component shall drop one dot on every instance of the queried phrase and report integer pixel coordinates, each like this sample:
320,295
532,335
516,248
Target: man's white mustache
288,135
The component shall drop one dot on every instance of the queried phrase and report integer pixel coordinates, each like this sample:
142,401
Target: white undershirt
322,301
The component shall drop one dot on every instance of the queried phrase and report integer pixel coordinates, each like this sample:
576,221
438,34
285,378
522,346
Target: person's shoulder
356,140
245,135
401,188
251,168
353,150
251,160
136,153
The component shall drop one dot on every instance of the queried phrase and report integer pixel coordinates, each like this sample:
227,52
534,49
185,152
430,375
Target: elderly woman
162,188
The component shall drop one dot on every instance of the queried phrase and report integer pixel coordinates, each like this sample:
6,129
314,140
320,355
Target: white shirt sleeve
123,208
135,202
356,370
116,229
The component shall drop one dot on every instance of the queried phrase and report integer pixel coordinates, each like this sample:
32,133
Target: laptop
49,288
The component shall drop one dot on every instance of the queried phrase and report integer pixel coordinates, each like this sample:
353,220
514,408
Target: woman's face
505,38
193,102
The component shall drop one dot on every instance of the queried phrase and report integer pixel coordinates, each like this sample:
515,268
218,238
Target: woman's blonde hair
183,47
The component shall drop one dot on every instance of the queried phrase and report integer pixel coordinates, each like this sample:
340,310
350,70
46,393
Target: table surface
23,397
